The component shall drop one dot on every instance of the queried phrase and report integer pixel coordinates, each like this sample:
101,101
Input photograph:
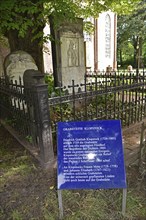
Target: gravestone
129,68
68,52
16,63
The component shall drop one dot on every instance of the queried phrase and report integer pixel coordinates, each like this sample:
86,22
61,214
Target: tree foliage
132,32
20,14
23,21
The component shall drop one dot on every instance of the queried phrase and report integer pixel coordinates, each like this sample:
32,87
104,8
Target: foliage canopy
20,15
132,32
22,21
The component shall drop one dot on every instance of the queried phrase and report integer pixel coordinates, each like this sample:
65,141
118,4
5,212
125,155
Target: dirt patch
27,192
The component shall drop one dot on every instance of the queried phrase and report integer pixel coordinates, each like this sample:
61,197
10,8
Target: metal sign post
60,204
124,201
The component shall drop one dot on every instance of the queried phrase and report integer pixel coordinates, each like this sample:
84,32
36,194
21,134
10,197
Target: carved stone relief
72,53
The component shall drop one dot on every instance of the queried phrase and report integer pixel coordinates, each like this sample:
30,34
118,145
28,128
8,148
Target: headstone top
17,62
129,68
69,27
74,27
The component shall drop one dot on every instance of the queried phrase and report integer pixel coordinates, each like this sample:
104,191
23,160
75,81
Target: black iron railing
27,108
112,96
15,107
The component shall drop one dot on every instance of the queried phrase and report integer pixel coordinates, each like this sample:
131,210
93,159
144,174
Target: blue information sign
90,155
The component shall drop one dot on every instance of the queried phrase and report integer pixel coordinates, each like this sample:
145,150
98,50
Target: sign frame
82,143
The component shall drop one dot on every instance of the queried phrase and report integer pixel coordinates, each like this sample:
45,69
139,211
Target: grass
16,215
27,192
94,205
13,163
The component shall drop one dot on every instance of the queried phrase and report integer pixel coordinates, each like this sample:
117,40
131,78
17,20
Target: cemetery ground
27,192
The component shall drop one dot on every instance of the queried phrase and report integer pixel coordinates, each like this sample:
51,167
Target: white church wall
47,52
104,61
90,54
89,39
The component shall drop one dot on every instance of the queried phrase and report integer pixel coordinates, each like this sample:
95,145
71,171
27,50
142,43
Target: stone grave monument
16,63
68,52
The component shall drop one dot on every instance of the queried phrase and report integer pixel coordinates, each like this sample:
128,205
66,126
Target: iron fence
112,96
119,72
24,109
16,108
30,112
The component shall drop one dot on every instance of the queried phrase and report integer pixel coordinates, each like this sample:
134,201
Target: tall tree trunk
33,47
140,53
121,58
135,51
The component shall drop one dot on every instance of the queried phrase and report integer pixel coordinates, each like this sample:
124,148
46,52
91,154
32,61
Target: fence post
34,82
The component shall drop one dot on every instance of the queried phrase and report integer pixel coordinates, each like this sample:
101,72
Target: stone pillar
35,84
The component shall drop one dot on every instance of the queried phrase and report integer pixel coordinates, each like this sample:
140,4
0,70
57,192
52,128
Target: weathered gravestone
17,62
68,52
129,68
